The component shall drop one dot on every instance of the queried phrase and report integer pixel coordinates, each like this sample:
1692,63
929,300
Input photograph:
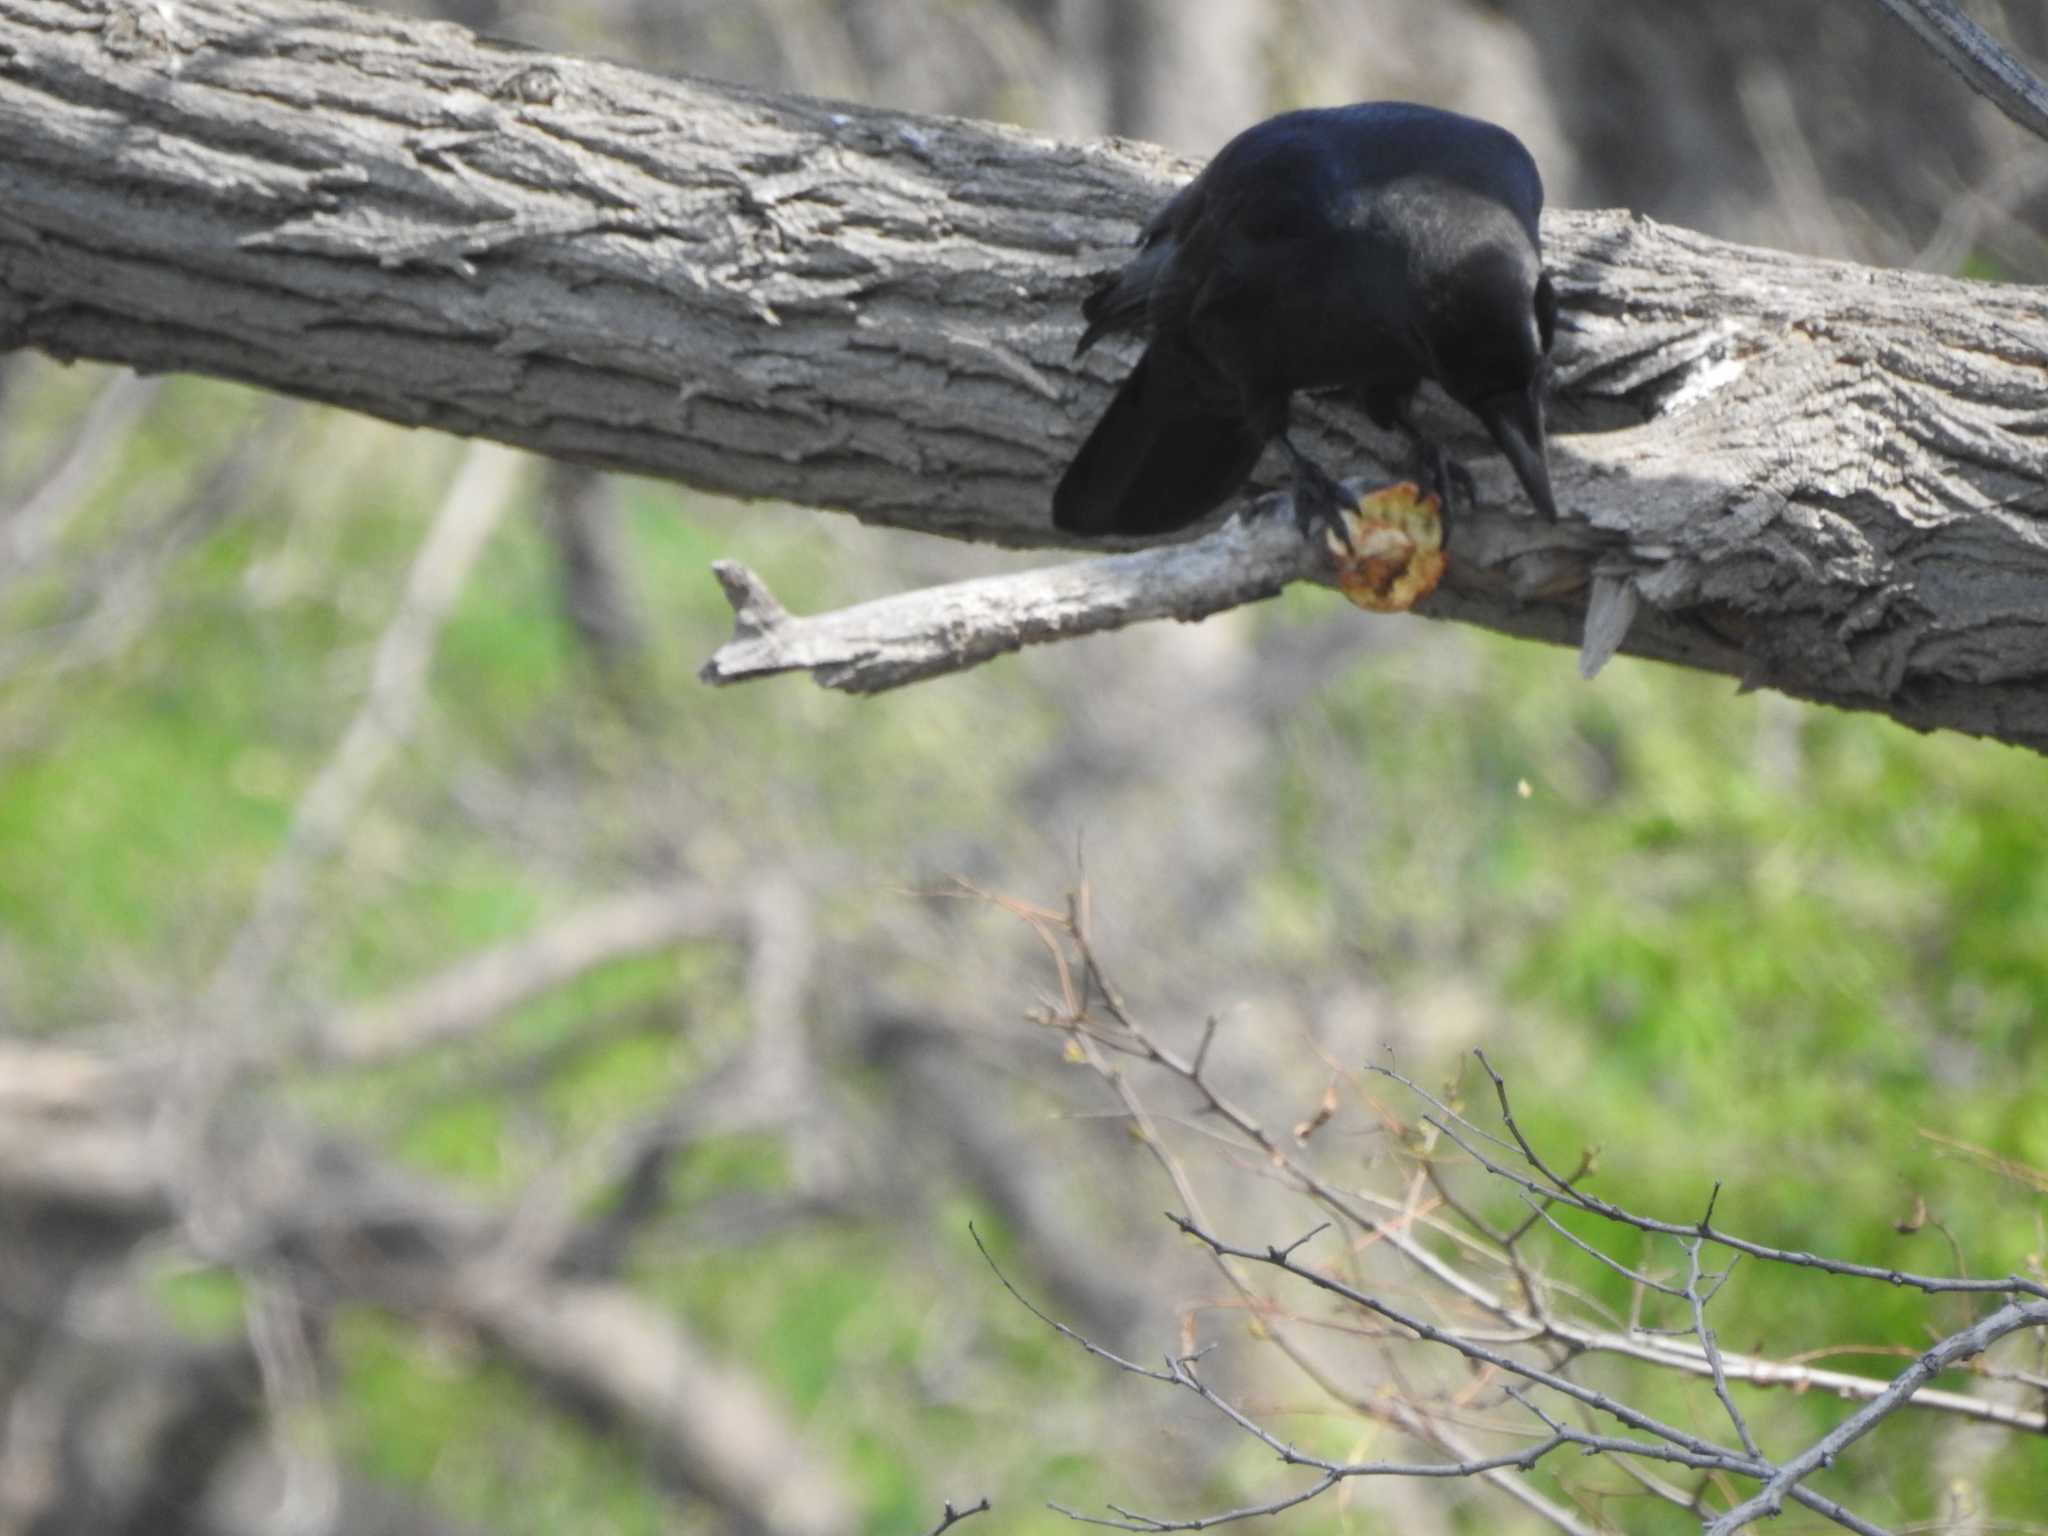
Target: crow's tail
1155,462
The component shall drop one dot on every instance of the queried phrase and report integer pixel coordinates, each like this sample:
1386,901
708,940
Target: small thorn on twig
1282,1255
755,612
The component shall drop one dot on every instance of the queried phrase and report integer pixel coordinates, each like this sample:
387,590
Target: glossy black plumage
1358,249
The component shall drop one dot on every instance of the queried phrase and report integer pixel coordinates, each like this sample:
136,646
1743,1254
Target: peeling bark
1828,479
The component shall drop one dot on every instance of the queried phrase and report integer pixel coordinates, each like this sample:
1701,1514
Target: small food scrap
1396,555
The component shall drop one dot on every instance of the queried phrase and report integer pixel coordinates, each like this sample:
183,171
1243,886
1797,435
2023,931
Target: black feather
1155,462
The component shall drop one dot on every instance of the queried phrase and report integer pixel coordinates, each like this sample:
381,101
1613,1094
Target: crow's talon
1320,510
1444,477
1451,474
1319,501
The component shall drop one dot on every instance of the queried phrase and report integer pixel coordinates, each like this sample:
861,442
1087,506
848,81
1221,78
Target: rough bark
1829,479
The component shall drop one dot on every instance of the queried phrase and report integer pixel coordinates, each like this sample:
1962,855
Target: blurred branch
1820,479
309,1495
940,1093
31,527
1979,58
710,1426
112,597
580,510
2009,185
114,1424
120,1425
480,990
347,1227
383,722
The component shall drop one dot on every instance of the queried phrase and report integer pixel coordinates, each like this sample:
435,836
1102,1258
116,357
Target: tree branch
950,1517
1983,62
482,988
908,638
1822,479
917,635
1971,1341
1552,1187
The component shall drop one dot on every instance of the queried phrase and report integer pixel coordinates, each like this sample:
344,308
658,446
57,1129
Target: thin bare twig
1681,1444
1056,1325
1552,1185
1709,1345
1084,982
1973,1340
1678,1445
950,1517
1108,1033
1180,1372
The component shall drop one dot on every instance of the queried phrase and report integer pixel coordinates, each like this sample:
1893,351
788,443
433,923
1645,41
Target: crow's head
1491,322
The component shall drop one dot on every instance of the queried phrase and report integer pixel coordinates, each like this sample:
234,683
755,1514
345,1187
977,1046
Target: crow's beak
1515,422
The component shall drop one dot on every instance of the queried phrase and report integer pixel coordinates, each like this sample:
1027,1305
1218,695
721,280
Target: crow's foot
1319,501
1444,477
1437,472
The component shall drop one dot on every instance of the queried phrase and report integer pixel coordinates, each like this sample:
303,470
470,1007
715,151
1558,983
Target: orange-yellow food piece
1396,556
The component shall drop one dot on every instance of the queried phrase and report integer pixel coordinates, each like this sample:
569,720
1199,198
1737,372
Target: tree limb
917,635
892,641
1826,479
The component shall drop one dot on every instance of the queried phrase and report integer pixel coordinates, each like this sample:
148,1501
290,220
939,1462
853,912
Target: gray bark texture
1826,479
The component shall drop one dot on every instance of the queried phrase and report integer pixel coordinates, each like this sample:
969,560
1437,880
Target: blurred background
376,878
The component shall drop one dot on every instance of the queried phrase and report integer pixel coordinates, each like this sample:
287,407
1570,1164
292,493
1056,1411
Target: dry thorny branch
1492,1381
950,1517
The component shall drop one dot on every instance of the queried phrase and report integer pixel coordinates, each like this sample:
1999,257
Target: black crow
1359,249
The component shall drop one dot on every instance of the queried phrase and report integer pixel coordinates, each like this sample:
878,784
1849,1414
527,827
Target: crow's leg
1319,501
1441,475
